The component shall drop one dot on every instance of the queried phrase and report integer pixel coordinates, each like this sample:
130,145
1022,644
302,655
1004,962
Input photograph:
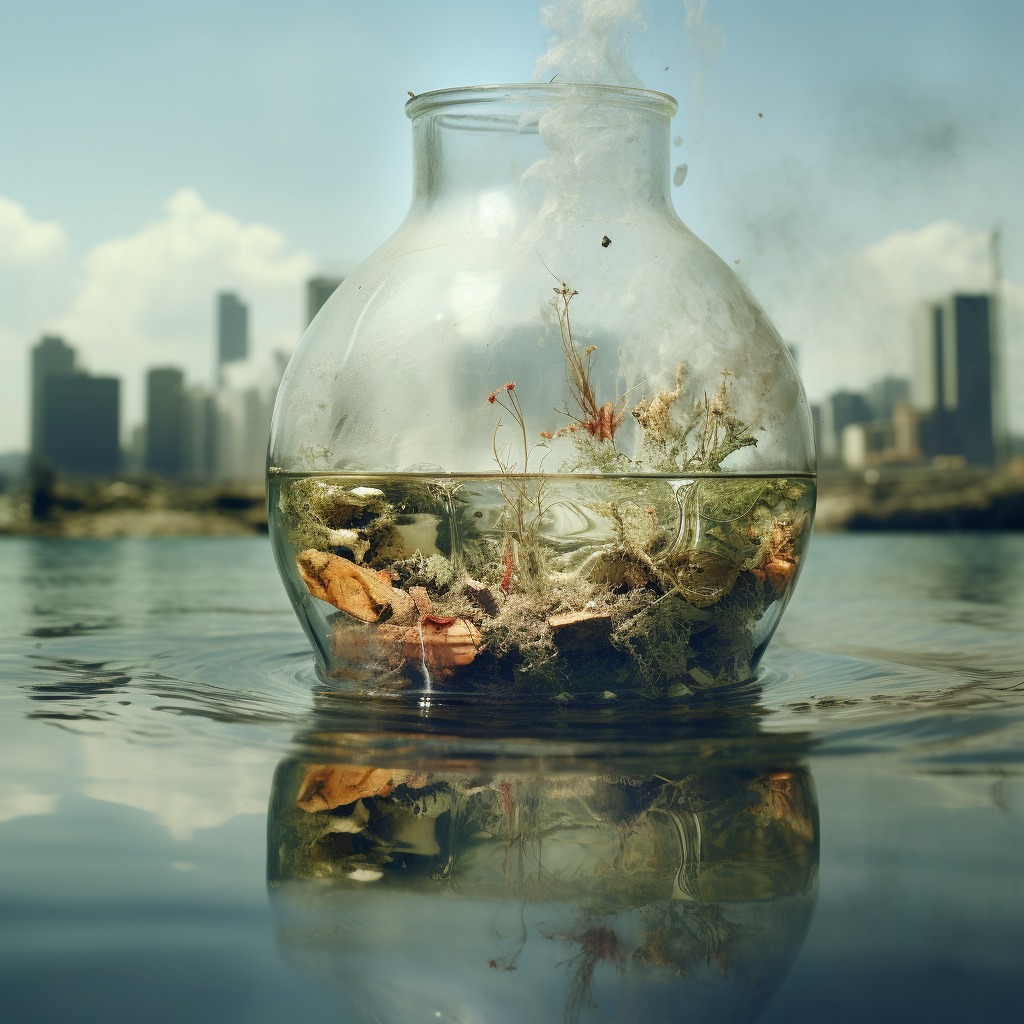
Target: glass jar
542,440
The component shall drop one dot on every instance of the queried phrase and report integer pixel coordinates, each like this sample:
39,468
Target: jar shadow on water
585,879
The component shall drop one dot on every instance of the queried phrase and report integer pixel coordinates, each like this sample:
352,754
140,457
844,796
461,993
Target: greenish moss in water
651,585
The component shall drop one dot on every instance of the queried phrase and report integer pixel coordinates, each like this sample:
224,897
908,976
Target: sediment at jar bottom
649,585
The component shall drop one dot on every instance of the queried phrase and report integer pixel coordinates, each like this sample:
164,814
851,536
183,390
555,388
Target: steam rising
589,45
590,42
706,41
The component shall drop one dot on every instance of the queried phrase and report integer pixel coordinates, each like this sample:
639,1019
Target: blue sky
851,157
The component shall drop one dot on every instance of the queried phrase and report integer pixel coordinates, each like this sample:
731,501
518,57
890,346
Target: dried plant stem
523,497
600,421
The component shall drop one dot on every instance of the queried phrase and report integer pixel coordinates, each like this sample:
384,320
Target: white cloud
183,794
30,779
937,259
19,801
149,299
143,300
26,243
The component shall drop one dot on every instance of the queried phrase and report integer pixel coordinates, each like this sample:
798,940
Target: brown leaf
326,786
360,592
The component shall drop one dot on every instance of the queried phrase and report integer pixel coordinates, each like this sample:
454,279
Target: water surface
155,693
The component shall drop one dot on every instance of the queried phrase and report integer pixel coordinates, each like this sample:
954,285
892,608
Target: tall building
318,291
200,440
883,396
232,331
50,357
244,408
165,422
80,426
75,418
953,381
840,411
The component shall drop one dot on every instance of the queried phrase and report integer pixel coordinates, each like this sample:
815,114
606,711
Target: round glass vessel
542,440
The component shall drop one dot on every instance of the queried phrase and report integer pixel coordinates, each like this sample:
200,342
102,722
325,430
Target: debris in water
327,786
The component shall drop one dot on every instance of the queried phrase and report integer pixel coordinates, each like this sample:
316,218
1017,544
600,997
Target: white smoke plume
590,42
706,42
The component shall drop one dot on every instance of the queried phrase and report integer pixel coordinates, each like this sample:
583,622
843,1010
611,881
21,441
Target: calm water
158,697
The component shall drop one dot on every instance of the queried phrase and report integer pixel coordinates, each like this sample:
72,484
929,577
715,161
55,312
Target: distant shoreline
900,499
143,523
133,509
896,499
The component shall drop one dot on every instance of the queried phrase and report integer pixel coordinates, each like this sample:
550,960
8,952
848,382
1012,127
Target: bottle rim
543,92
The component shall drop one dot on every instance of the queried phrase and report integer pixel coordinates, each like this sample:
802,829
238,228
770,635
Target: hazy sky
852,157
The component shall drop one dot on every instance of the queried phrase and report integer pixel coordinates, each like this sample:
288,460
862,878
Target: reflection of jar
542,438
516,896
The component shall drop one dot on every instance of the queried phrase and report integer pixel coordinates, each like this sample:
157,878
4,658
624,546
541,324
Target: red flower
510,386
492,397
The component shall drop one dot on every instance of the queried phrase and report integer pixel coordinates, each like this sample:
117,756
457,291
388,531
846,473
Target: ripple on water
916,654
837,703
233,681
912,706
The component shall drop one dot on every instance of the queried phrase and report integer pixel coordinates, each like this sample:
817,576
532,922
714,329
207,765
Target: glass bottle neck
566,150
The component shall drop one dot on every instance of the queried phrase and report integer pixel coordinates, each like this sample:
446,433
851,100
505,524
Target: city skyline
949,411
190,433
843,198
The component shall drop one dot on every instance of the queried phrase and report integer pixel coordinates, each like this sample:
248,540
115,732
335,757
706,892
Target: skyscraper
200,438
80,428
165,422
883,396
318,291
75,417
232,331
840,411
953,379
50,357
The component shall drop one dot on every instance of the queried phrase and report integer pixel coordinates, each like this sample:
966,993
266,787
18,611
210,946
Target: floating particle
605,242
677,141
680,176
759,114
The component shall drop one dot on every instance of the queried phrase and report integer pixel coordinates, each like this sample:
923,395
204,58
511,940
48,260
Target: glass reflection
419,885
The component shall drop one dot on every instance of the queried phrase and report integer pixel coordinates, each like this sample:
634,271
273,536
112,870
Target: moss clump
321,513
662,589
